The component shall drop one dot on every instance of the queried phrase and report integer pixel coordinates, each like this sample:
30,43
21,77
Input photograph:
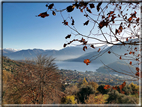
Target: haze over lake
79,66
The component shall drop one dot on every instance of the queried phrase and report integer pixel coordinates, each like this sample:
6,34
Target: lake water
79,66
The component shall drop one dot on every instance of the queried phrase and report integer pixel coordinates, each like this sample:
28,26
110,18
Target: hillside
108,58
120,66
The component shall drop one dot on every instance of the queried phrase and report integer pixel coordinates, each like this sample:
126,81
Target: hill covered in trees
77,87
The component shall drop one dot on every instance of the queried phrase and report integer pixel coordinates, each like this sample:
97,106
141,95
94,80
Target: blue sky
23,30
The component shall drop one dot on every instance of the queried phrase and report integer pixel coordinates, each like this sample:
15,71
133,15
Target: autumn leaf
106,87
43,15
86,23
50,6
88,10
68,36
99,49
130,63
98,6
137,69
92,46
85,42
92,6
70,8
137,74
120,57
111,12
85,47
53,13
130,52
81,10
86,61
129,25
114,88
82,40
135,48
103,23
120,28
64,45
126,54
122,86
137,20
72,22
130,19
109,52
126,39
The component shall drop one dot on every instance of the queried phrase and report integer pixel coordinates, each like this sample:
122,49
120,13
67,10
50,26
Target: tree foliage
83,93
117,98
35,82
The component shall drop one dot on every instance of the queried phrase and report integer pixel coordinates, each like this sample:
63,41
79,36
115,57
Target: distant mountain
120,66
63,54
8,50
105,57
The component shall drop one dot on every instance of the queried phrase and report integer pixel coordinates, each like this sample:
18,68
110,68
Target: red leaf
120,28
106,87
50,6
109,52
86,23
130,63
85,47
137,69
129,25
120,57
82,40
137,20
114,88
43,15
68,36
92,46
130,19
98,6
64,45
126,54
53,13
88,10
135,48
99,50
137,74
122,86
81,10
70,8
111,12
126,39
86,61
92,5
130,52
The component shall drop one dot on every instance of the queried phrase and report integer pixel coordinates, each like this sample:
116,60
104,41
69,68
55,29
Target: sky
23,30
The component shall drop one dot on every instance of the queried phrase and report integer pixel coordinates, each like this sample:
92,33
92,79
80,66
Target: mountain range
76,53
63,54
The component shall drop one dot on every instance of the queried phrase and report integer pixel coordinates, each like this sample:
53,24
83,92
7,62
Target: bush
83,93
117,98
102,90
69,100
